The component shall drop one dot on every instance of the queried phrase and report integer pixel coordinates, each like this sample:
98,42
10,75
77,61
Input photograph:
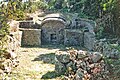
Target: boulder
81,54
60,68
63,56
79,74
97,56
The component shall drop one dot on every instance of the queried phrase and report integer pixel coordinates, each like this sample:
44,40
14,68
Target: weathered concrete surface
53,29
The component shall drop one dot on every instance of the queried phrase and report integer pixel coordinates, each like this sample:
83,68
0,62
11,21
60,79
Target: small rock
13,55
96,57
73,54
82,54
91,65
71,65
114,54
79,74
78,63
1,71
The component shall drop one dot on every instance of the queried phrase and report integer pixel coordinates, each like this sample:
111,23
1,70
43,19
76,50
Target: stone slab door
53,32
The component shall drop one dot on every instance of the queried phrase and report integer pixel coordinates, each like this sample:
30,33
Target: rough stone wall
87,26
73,37
53,27
31,37
80,65
29,24
83,33
14,38
89,40
8,59
26,24
107,49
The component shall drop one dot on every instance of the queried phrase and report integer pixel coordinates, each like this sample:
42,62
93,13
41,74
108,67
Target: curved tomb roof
54,17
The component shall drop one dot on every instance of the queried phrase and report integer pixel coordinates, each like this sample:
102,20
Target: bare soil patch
35,64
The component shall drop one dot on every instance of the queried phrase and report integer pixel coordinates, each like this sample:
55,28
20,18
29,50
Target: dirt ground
36,63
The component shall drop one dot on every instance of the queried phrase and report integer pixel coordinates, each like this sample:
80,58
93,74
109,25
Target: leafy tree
3,28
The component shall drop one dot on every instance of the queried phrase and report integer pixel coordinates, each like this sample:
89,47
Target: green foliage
7,12
3,30
114,68
42,5
13,11
20,15
51,4
100,32
31,7
108,5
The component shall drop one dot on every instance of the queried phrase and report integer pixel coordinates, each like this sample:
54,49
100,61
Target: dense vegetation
102,10
105,12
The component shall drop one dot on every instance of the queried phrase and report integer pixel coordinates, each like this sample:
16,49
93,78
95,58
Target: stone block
89,40
79,74
73,54
26,24
73,37
31,37
71,66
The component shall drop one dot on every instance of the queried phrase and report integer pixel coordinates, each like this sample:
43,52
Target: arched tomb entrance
53,29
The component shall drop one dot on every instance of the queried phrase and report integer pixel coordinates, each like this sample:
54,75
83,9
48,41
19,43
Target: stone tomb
31,37
57,29
53,32
53,29
31,33
73,37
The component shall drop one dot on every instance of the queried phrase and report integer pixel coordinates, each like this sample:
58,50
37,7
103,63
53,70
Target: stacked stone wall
80,65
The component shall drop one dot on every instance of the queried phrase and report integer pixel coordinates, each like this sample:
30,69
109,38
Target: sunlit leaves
108,5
